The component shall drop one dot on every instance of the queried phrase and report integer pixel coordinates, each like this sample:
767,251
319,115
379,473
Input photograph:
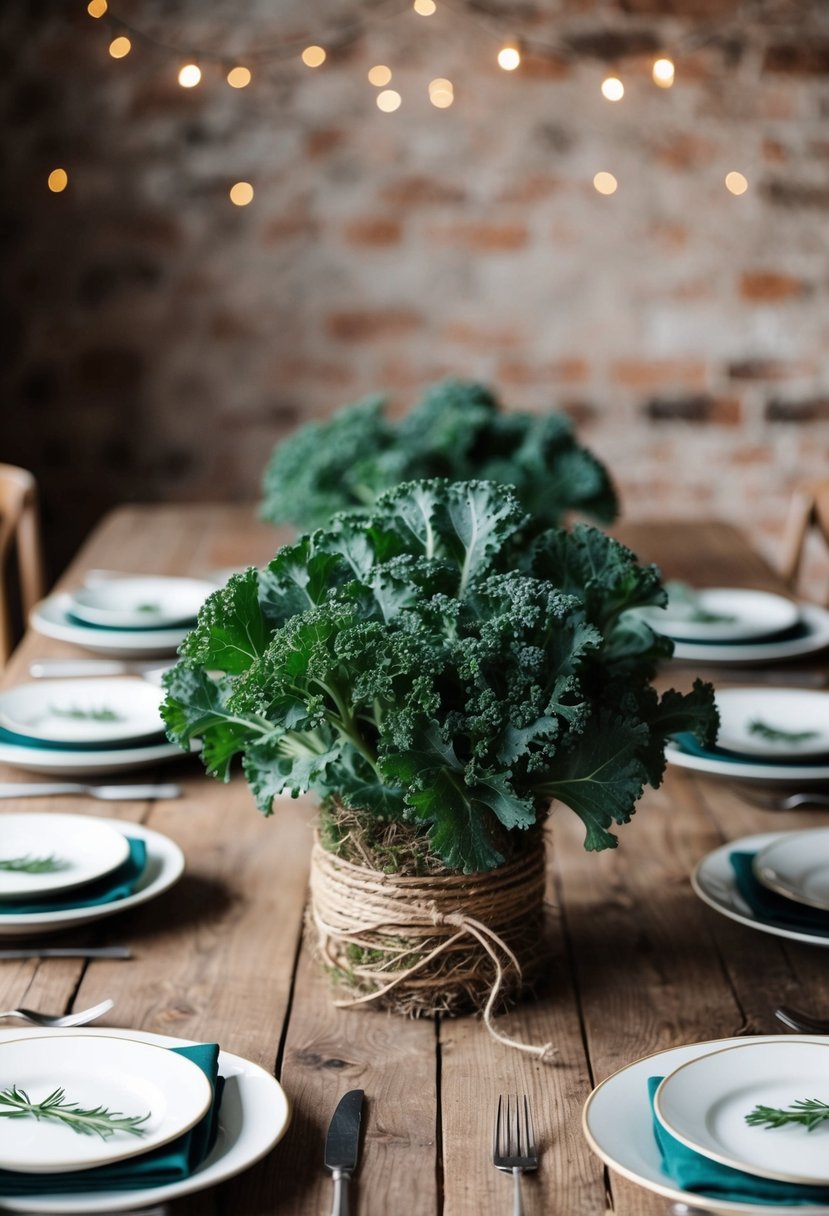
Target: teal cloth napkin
699,1175
9,737
689,744
117,885
771,908
168,1163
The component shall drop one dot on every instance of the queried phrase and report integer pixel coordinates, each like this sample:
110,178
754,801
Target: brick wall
160,340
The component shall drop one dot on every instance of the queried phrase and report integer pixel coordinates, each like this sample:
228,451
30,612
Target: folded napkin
10,738
168,1163
117,885
689,744
701,1176
771,908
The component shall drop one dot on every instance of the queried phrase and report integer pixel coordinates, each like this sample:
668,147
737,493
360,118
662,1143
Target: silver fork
105,793
782,802
50,1019
513,1143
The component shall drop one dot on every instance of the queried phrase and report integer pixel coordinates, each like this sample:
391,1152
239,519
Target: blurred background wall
159,339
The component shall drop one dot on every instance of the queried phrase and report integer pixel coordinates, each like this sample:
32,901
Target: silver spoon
51,1019
804,1023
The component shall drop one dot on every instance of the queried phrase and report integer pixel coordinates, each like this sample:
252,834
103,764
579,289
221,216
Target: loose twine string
393,918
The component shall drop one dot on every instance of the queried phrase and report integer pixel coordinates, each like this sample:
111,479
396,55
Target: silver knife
342,1147
68,952
62,668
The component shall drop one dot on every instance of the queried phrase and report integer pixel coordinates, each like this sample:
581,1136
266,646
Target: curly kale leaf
231,632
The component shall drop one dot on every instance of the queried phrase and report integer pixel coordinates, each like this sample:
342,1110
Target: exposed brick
669,236
516,372
323,140
808,57
681,8
613,44
774,152
660,373
810,409
581,413
289,228
293,368
754,454
418,191
371,324
533,189
482,237
768,369
785,193
544,67
770,286
695,408
682,150
377,231
483,337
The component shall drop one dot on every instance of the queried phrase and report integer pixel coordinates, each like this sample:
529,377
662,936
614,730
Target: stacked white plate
734,625
132,1072
145,616
707,1091
86,726
794,865
766,734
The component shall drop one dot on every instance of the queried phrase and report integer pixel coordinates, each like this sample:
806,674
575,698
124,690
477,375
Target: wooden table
637,962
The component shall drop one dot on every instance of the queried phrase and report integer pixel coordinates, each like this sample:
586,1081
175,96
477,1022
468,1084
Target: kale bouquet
458,431
438,671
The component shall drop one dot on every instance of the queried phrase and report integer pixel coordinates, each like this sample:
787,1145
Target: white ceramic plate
813,638
736,615
83,711
797,866
714,882
84,848
254,1116
87,761
737,769
777,723
165,865
123,1075
52,617
704,1104
143,602
618,1125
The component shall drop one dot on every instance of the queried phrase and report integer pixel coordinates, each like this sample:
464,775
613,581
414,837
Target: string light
119,47
388,101
313,56
664,73
379,75
441,93
239,78
612,88
605,183
509,58
96,8
189,76
735,182
241,193
57,180
424,7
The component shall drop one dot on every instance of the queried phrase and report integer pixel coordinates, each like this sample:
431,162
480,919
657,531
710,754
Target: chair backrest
20,534
808,513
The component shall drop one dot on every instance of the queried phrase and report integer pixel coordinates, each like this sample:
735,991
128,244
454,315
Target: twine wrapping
435,943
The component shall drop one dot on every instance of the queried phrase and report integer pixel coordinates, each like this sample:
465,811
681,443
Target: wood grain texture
637,963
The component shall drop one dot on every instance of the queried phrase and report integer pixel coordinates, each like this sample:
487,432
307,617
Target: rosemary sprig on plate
92,1121
809,1112
104,714
775,735
31,865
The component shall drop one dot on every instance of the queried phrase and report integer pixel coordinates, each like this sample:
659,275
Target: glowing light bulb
612,88
189,76
605,183
424,7
57,180
663,72
735,182
239,78
96,8
388,101
241,193
509,58
441,98
379,75
119,47
313,56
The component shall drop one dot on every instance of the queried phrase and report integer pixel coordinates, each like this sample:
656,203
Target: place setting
777,736
90,726
124,616
105,1119
737,1125
59,871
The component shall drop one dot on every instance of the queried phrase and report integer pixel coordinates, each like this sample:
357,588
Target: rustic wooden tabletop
637,963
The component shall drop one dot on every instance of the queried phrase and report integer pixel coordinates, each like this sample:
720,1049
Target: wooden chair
808,513
20,534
